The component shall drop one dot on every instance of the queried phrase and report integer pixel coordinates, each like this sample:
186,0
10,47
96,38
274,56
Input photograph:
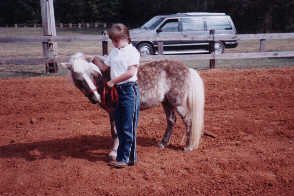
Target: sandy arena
54,142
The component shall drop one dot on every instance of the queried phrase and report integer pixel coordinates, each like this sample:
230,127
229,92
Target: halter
109,98
109,95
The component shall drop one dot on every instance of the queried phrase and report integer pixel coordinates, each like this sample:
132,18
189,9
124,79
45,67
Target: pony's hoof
112,156
188,149
161,145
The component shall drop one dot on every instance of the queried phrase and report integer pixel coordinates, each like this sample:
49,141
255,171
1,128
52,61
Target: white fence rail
191,57
266,36
80,25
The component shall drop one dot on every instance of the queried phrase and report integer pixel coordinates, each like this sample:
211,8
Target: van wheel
219,47
145,49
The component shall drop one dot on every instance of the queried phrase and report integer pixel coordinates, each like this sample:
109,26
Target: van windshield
153,23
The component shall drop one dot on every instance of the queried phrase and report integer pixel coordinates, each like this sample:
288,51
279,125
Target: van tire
145,49
219,47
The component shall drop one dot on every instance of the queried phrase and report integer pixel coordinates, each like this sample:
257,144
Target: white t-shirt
119,59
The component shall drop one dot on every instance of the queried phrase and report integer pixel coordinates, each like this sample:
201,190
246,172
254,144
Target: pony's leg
170,120
112,154
183,112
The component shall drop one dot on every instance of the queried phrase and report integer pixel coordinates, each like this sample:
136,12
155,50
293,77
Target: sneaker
118,164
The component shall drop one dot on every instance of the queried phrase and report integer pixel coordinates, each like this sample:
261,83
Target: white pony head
83,73
79,65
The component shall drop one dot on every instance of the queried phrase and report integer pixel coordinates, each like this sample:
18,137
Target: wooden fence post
212,49
262,45
104,44
49,29
160,47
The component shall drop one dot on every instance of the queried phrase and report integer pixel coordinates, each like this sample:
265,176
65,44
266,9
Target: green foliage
21,11
86,11
248,15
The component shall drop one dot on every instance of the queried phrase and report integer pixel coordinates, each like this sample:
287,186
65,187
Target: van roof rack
201,14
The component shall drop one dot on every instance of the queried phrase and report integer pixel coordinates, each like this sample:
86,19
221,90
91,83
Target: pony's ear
66,65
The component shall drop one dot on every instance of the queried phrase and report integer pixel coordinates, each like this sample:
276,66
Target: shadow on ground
81,147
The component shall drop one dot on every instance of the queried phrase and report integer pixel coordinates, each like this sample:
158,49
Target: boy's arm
97,61
125,76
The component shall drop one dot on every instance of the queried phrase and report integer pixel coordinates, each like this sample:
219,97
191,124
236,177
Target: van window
153,22
192,24
218,23
171,25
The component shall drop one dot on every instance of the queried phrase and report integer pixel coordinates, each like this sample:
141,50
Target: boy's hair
119,31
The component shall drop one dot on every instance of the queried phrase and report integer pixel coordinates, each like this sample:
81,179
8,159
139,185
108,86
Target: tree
250,16
18,11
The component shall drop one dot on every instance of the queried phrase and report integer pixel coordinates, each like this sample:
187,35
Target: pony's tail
196,101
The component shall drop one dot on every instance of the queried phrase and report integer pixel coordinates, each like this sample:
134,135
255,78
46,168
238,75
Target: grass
35,49
67,48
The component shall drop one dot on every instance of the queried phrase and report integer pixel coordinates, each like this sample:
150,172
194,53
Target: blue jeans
126,121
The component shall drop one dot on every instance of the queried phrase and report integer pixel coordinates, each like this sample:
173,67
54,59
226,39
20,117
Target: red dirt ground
53,142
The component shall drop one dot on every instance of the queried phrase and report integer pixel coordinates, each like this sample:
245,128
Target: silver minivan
186,25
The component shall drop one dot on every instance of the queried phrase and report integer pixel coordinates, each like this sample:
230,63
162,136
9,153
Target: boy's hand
89,58
110,83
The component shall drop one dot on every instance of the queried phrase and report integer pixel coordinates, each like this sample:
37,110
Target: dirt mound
54,142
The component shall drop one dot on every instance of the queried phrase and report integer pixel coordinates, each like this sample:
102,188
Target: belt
126,84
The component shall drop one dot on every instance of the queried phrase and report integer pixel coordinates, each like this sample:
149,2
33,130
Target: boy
123,62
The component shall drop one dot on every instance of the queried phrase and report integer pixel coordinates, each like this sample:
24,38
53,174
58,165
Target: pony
172,84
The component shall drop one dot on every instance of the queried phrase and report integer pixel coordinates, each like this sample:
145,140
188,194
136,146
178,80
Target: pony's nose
97,97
